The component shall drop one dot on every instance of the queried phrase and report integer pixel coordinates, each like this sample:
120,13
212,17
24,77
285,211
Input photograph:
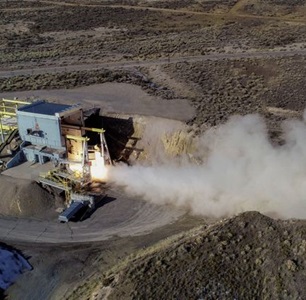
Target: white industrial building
43,128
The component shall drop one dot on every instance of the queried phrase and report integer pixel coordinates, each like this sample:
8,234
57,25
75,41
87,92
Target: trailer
71,211
79,203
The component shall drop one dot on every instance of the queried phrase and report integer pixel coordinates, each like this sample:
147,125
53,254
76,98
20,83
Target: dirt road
233,13
119,216
147,63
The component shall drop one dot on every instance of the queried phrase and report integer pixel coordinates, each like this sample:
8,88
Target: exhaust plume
234,168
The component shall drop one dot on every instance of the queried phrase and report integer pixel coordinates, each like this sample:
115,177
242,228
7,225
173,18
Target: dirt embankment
246,257
24,198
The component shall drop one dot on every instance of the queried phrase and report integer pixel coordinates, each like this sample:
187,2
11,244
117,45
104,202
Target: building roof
45,108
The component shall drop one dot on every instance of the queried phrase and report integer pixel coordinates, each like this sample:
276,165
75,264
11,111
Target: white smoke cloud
240,170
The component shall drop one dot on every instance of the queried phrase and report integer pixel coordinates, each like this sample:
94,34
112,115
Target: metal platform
8,120
52,183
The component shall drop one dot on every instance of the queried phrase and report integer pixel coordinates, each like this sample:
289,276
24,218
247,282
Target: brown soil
24,198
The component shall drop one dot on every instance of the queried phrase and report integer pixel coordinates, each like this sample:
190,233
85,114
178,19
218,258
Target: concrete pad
114,98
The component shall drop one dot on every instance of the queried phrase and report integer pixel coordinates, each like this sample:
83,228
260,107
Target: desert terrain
165,64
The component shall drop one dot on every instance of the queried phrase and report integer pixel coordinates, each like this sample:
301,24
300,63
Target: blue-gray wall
38,129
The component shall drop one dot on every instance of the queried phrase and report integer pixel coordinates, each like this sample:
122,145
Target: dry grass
249,256
223,88
104,33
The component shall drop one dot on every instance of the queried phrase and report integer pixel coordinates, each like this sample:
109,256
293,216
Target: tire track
148,63
123,217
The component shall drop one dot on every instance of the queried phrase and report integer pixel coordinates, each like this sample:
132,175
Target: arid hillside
246,257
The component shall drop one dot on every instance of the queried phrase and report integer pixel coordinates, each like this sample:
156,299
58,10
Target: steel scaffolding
8,119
